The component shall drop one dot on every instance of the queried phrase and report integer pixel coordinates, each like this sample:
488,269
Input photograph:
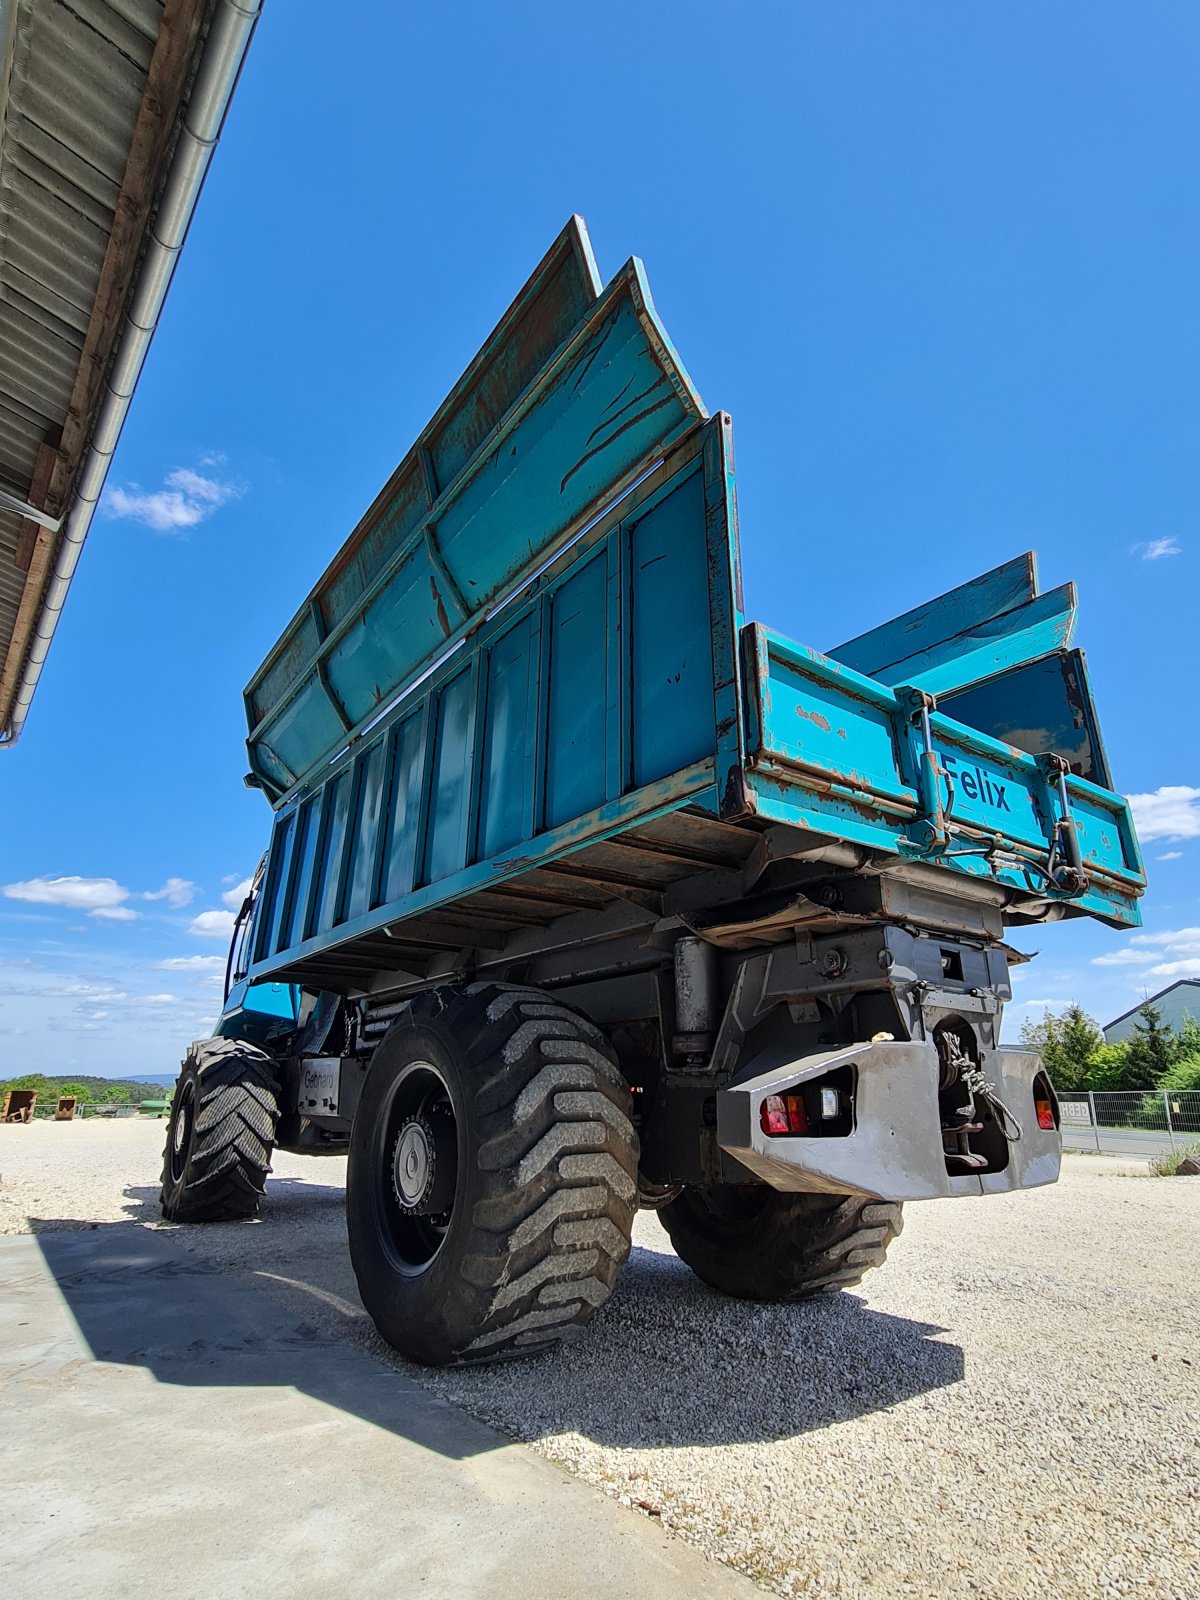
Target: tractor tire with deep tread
220,1134
492,1179
755,1243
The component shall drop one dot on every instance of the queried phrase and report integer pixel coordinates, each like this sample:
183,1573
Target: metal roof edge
221,57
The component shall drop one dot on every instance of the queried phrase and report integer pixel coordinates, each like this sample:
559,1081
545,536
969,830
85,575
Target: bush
1183,1076
1167,1165
1066,1043
1110,1069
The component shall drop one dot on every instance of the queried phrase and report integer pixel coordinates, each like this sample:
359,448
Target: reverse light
783,1114
831,1104
1045,1114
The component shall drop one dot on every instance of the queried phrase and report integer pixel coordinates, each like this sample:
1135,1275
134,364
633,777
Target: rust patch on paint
443,619
814,716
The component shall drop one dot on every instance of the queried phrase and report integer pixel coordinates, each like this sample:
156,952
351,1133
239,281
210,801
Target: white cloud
82,894
1171,939
234,897
99,897
212,925
176,892
1174,953
186,498
1190,968
1169,855
197,964
1172,812
1156,549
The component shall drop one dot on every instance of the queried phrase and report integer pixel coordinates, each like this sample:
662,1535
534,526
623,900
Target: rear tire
492,1177
220,1134
755,1243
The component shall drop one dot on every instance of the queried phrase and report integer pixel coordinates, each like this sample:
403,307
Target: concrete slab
171,1429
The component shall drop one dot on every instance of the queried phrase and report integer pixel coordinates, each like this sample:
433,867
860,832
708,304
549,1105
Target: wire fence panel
1131,1122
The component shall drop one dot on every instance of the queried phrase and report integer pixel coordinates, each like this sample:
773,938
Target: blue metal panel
994,624
837,752
274,895
598,400
1041,625
671,635
335,814
1045,706
401,821
557,724
360,880
510,736
446,830
926,626
576,749
308,827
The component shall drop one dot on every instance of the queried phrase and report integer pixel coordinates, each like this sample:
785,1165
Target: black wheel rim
416,1168
183,1121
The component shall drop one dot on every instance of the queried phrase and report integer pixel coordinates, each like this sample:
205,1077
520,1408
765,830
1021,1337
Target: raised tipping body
581,890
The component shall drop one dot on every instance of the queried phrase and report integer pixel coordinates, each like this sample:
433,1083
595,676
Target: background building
1176,1001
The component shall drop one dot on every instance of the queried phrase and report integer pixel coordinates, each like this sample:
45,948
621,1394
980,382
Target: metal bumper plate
894,1151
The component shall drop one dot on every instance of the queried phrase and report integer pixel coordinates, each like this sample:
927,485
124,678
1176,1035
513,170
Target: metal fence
44,1110
1131,1122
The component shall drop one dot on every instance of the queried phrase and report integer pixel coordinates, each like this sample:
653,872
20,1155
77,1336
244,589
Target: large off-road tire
221,1133
755,1243
492,1178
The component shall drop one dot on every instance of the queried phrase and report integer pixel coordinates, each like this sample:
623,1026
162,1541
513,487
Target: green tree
1153,1048
114,1096
79,1091
1187,1041
37,1081
1066,1042
1109,1070
1183,1077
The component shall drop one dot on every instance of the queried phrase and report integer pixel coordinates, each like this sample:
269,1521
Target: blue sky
939,261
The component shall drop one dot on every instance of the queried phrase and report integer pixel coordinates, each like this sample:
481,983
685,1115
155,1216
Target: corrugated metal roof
92,94
75,83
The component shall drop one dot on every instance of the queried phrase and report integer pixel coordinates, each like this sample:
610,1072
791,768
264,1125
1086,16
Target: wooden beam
166,78
35,546
39,485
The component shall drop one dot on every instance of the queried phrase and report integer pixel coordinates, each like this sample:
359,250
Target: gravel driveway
1010,1408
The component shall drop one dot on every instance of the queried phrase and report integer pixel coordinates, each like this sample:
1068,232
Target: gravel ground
1010,1408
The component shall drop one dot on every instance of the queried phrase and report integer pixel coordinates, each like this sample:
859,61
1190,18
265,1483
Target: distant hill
135,1087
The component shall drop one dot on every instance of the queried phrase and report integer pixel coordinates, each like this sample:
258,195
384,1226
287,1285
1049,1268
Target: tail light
1045,1114
783,1114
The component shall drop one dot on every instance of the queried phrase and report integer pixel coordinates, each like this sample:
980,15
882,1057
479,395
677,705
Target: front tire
492,1176
220,1134
754,1243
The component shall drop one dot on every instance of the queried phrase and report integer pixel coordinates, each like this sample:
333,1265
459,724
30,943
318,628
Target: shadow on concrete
668,1362
139,1300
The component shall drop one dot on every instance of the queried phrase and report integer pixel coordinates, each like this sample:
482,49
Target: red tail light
782,1114
1045,1114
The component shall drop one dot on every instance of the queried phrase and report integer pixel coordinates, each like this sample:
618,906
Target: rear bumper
894,1149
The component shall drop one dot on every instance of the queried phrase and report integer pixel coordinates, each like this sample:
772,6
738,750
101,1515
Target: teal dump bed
525,691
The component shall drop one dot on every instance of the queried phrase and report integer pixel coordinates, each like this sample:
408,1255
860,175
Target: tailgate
838,752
